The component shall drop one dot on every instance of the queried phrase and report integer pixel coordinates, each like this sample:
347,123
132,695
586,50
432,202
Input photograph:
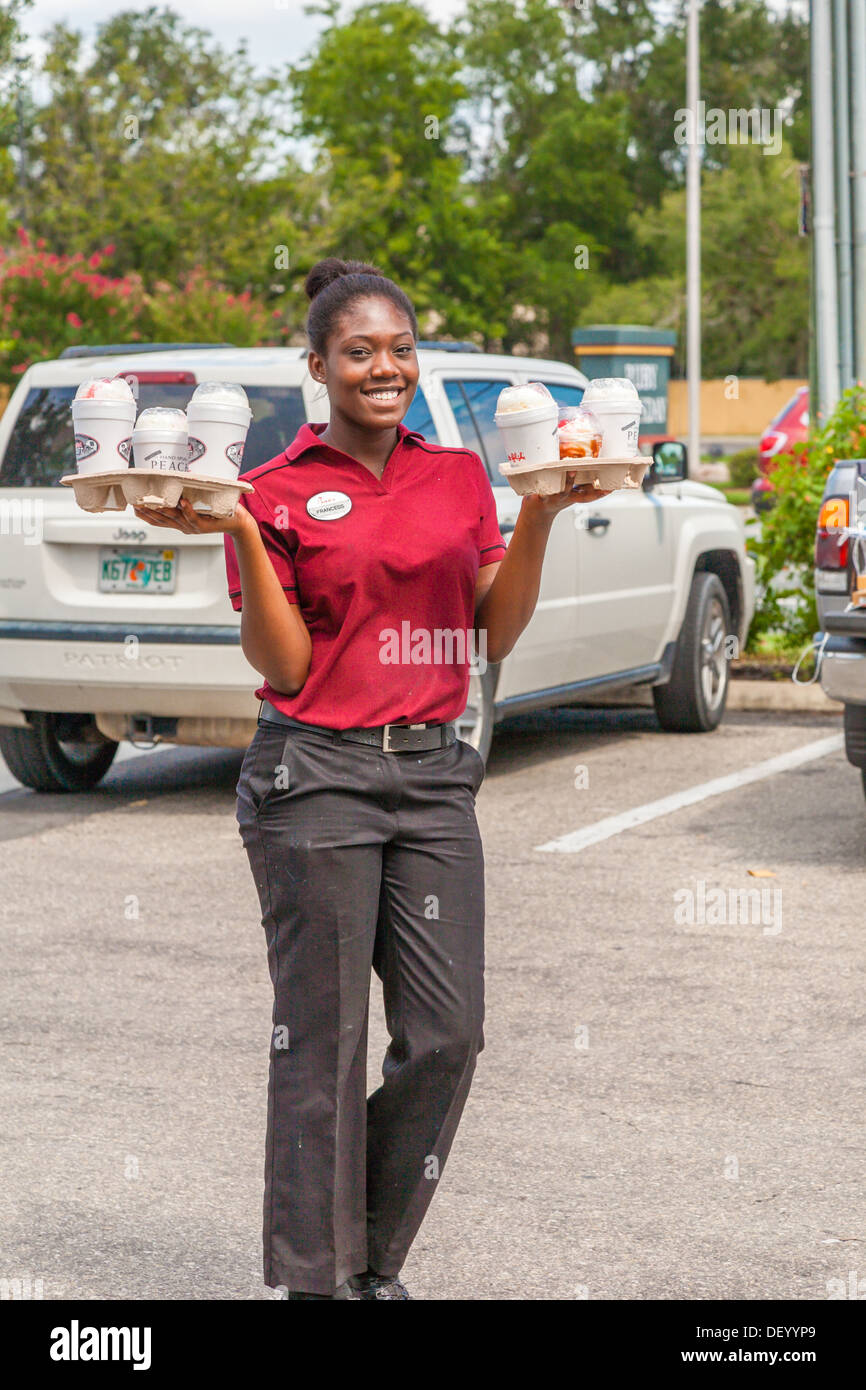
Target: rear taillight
772,442
831,544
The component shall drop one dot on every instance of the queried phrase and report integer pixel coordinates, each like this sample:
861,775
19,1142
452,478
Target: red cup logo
235,453
196,449
85,447
124,448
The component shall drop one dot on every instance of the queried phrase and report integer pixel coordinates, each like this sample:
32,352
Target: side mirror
670,462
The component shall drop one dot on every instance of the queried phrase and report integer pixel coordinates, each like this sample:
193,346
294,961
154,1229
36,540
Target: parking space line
639,815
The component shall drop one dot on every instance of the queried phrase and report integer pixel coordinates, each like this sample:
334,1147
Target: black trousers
362,860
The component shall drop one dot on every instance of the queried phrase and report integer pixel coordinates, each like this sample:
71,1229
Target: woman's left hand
548,506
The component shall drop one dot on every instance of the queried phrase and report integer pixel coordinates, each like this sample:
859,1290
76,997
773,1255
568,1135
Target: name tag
329,506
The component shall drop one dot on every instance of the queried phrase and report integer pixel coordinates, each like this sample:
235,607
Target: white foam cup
618,408
529,436
160,440
218,418
103,413
102,434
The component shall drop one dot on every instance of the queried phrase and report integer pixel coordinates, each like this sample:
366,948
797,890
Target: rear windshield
789,405
41,449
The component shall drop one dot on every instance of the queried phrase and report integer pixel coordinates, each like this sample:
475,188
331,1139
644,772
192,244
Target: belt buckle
386,738
387,745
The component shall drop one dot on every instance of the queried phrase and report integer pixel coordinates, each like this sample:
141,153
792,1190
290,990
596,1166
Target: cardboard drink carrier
162,467
545,442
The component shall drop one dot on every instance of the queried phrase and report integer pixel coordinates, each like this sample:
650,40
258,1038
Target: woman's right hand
184,517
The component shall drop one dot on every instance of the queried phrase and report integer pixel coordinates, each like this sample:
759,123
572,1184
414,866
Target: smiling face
371,368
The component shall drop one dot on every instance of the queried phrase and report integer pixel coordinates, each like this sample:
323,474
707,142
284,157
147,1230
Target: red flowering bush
201,311
49,302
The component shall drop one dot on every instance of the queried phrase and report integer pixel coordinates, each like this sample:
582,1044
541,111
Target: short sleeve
276,545
491,546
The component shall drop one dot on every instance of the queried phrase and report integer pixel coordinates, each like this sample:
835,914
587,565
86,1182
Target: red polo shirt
384,572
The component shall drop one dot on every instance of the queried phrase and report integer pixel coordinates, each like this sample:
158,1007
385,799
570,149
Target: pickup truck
841,643
648,588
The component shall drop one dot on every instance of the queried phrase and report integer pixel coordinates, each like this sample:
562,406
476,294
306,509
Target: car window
564,393
474,405
418,417
41,448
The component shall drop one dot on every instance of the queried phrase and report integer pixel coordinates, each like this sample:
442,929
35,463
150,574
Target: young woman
356,803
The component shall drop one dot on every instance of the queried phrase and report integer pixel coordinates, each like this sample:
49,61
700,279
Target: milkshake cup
103,414
160,440
527,418
218,417
617,406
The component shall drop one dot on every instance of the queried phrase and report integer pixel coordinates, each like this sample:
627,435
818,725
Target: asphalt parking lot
669,1104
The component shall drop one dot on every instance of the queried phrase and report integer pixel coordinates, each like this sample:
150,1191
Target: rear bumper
120,669
843,669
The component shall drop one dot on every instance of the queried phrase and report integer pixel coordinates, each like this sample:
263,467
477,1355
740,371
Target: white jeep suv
111,629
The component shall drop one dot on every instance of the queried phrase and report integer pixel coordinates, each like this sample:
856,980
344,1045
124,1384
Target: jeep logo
122,534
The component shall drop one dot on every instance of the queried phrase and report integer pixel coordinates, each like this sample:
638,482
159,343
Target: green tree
391,165
160,141
755,271
752,56
15,112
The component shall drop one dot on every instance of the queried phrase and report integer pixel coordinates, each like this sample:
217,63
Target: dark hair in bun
333,285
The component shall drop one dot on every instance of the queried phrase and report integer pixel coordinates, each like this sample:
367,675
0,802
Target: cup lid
219,393
105,388
575,422
528,396
161,417
604,388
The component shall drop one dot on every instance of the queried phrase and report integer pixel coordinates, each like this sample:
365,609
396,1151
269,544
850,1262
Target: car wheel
59,753
475,724
693,700
855,734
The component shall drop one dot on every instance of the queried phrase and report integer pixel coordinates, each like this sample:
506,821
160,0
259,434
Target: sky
277,31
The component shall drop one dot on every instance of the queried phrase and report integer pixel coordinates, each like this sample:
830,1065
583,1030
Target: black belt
391,738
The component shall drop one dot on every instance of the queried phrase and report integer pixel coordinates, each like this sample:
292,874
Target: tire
693,700
55,754
475,725
855,734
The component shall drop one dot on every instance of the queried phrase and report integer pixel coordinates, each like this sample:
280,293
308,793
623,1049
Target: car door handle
597,523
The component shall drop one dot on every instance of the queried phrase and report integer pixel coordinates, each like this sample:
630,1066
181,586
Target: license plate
146,570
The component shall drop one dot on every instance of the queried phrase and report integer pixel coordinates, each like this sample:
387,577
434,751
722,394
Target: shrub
743,468
201,311
784,554
49,302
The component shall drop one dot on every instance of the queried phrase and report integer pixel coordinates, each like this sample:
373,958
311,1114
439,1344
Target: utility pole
857,52
843,194
823,209
693,236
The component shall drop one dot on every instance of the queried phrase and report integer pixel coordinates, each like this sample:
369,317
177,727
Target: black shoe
344,1291
372,1285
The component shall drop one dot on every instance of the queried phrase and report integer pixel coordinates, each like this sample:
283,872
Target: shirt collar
308,438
